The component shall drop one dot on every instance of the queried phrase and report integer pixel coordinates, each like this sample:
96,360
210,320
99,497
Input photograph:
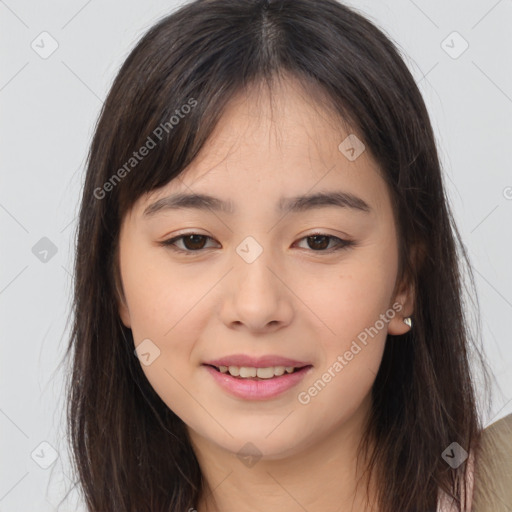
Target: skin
294,300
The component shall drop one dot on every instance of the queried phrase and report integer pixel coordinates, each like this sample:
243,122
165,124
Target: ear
122,307
124,313
403,305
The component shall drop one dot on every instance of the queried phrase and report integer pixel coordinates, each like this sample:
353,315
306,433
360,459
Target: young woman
268,303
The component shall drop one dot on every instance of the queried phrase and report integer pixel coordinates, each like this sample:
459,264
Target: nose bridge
252,267
258,297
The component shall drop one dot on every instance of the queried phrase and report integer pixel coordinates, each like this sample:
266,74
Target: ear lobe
405,297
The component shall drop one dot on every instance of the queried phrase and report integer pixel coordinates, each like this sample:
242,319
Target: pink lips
252,388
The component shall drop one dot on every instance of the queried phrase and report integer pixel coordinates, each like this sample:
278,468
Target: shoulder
493,468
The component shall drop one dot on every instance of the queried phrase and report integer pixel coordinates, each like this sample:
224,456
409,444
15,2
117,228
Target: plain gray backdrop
58,62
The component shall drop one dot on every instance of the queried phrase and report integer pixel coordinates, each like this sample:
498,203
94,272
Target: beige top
490,479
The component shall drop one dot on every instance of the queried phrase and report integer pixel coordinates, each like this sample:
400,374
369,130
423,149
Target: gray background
48,110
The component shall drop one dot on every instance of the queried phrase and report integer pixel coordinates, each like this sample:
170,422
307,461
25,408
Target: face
307,284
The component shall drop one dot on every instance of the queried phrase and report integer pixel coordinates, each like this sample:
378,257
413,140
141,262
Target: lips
258,389
256,362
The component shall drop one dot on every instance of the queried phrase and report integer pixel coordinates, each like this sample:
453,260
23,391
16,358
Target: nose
257,297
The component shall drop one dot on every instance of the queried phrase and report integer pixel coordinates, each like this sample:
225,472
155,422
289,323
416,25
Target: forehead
269,147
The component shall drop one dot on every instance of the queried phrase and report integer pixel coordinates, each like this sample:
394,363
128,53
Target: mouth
253,373
257,382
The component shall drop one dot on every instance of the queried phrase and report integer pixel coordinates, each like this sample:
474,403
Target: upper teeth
262,373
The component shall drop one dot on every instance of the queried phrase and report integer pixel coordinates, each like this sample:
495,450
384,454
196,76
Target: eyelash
170,243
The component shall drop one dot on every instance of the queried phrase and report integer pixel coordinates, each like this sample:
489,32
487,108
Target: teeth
265,373
262,373
246,372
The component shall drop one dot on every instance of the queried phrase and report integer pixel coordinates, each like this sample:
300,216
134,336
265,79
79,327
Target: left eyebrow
295,204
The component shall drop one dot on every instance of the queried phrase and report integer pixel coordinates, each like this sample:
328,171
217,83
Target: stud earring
408,321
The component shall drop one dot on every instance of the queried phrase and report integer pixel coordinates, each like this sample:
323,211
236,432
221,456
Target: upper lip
256,362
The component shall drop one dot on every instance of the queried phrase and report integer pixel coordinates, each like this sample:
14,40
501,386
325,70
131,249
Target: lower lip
264,389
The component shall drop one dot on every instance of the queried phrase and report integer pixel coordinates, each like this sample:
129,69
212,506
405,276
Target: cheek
355,310
159,295
356,296
351,349
165,308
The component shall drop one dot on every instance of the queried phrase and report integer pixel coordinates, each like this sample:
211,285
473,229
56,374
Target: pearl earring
408,321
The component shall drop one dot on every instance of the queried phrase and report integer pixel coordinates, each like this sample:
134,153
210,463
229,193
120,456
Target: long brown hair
130,451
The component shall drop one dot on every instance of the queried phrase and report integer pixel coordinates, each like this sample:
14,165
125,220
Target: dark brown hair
131,452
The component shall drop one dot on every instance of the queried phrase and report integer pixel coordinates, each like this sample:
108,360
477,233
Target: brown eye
317,242
192,242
